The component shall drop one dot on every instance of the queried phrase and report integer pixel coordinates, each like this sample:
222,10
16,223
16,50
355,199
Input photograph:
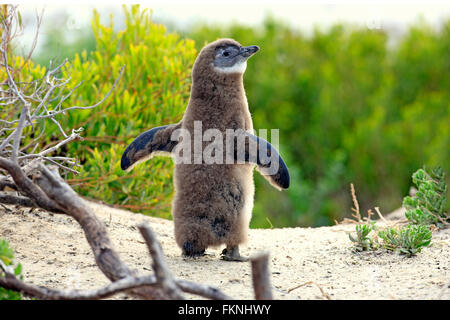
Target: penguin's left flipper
152,142
268,160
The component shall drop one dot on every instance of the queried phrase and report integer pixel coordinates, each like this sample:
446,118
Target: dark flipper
266,157
148,143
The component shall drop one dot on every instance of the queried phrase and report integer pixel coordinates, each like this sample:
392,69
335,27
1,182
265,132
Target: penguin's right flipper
152,142
268,160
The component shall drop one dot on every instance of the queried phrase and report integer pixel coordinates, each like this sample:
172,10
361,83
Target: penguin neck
222,87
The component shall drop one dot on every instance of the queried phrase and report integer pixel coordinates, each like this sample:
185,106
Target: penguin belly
212,205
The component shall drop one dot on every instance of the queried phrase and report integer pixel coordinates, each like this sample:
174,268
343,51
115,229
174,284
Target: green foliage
428,206
362,240
6,256
408,240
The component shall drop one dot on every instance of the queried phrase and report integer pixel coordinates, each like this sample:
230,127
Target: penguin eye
226,53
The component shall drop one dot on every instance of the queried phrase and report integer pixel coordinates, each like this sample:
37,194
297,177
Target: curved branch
11,282
27,186
163,276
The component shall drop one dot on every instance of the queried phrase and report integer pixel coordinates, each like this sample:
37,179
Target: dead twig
11,282
324,294
356,214
377,209
163,276
261,278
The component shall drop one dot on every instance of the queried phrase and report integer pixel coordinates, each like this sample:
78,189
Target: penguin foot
231,253
190,250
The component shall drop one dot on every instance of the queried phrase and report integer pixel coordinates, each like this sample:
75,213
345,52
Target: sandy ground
54,253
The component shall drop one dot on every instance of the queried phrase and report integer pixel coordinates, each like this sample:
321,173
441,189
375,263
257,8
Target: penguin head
223,57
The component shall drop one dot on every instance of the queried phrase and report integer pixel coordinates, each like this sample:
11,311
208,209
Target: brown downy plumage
213,202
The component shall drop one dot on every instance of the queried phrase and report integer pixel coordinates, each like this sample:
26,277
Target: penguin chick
213,201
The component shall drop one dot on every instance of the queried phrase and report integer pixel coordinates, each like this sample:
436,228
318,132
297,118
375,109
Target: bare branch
202,290
68,139
163,276
27,187
88,107
261,278
60,165
324,294
356,214
12,283
377,209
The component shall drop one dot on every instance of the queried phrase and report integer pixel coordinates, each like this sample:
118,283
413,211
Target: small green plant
362,240
428,206
408,240
6,256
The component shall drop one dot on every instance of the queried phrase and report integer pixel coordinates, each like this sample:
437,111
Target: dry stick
309,283
162,273
87,107
27,187
357,215
202,290
12,283
60,165
52,294
68,139
261,278
377,209
393,223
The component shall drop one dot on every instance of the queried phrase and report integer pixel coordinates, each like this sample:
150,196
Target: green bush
428,206
6,256
362,240
408,240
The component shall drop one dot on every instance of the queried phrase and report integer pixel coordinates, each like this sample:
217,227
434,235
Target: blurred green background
351,106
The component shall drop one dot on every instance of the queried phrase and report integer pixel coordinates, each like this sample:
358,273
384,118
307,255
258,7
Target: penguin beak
247,52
